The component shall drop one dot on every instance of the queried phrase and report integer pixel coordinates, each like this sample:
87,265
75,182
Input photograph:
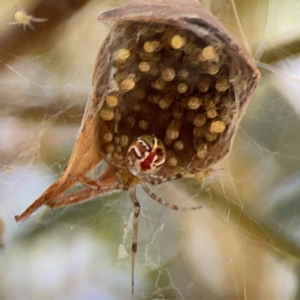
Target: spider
22,18
145,156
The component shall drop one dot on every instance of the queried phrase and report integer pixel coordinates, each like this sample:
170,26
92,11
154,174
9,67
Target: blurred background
243,244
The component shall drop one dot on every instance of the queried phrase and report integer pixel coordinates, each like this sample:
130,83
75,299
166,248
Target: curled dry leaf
166,68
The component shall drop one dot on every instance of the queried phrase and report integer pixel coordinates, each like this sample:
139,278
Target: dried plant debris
167,69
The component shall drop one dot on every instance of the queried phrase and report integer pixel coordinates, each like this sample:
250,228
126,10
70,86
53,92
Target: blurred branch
59,112
281,52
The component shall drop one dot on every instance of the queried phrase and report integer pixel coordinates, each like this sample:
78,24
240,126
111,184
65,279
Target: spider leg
160,179
86,193
81,196
29,24
155,180
167,204
109,161
95,185
137,209
39,20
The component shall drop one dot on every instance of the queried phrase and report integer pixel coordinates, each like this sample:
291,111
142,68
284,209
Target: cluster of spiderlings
168,83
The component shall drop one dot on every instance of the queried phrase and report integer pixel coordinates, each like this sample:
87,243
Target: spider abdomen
145,155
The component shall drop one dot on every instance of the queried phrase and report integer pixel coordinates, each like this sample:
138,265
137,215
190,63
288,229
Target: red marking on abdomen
146,164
